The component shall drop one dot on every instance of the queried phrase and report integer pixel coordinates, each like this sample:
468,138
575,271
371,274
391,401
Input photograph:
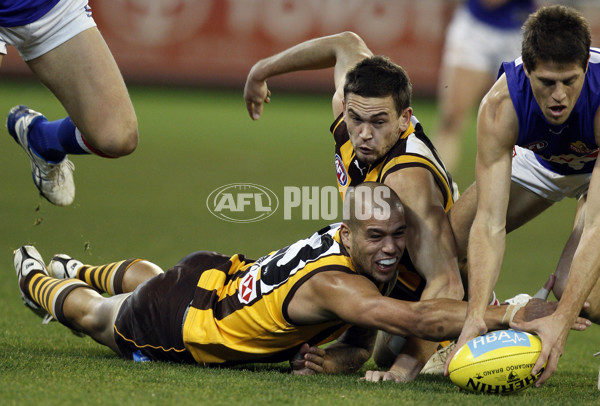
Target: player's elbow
351,42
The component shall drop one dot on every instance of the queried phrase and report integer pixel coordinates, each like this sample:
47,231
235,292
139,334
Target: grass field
152,204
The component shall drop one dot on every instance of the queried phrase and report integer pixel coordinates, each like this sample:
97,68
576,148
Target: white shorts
67,19
477,46
533,176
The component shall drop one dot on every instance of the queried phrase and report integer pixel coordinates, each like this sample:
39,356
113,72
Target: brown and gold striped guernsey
239,310
413,149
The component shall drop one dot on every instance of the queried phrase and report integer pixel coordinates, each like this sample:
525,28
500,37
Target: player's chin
387,274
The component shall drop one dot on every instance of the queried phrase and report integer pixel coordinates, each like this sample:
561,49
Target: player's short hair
370,199
556,34
378,76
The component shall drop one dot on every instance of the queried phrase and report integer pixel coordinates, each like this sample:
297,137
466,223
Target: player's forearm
443,319
485,254
434,251
585,271
316,53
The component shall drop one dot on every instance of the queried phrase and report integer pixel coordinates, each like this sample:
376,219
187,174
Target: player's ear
405,118
587,63
341,102
346,236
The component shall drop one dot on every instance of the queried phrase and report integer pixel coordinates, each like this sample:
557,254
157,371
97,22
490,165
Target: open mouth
557,111
386,264
365,150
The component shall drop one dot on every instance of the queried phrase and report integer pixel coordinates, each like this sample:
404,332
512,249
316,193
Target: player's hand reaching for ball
473,327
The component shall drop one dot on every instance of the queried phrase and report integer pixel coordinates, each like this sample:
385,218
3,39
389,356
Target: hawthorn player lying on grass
217,309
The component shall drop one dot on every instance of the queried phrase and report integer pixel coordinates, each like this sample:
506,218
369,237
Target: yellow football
499,362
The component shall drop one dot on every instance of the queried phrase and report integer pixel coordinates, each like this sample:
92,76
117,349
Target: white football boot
26,260
437,362
53,180
63,266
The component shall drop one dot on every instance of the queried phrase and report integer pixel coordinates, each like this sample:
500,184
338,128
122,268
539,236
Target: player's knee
97,317
118,139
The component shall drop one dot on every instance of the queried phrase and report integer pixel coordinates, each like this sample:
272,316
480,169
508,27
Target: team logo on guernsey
536,146
340,170
247,290
579,147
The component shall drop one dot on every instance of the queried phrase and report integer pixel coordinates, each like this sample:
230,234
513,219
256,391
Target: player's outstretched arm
341,51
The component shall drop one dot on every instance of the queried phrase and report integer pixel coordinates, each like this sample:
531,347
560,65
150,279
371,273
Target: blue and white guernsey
14,13
569,148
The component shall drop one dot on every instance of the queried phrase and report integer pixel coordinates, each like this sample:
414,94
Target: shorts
67,19
474,45
533,176
149,322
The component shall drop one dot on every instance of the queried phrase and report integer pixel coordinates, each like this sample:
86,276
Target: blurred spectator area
215,42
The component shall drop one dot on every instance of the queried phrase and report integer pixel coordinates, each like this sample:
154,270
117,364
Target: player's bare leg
70,301
564,264
84,76
93,314
460,92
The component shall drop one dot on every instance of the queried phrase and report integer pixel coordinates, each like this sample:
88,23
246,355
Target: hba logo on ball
242,202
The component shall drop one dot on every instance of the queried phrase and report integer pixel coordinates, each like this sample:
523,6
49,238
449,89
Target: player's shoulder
498,103
498,93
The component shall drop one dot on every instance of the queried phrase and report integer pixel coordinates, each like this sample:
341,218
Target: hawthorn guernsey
498,362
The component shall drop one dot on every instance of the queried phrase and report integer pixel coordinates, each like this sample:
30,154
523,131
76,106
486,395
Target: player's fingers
317,351
548,371
314,359
544,359
388,377
450,356
250,108
581,324
314,367
373,376
459,343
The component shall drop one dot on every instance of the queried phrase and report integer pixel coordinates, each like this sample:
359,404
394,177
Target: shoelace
57,174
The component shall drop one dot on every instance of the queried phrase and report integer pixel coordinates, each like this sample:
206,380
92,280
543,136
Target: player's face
374,125
375,246
556,88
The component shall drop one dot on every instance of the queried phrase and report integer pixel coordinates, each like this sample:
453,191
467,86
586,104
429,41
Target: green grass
152,205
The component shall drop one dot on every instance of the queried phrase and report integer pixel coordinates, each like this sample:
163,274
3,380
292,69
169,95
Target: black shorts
149,322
